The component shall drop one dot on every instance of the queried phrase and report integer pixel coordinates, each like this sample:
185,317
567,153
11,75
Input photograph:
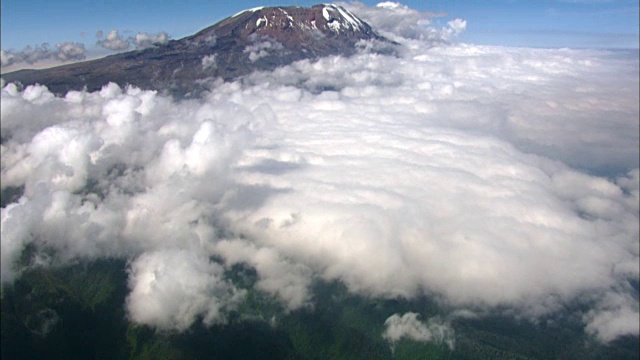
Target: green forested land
77,312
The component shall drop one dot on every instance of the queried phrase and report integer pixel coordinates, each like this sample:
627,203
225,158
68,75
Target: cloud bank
115,42
64,52
74,51
397,21
489,177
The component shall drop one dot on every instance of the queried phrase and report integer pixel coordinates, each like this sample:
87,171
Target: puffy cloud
262,47
616,314
7,58
493,177
144,40
64,52
70,51
169,289
116,42
278,276
209,62
112,41
99,173
398,21
410,327
456,26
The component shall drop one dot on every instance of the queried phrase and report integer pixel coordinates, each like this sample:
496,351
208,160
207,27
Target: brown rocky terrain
252,40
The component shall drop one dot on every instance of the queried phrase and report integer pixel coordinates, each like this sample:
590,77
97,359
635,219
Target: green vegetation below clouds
77,312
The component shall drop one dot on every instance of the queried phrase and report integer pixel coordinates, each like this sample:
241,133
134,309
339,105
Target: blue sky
543,23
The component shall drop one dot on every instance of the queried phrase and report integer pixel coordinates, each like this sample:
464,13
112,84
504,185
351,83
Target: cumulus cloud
410,327
112,41
74,51
493,177
6,58
616,314
287,281
398,21
170,288
64,52
116,42
102,173
262,47
70,51
209,62
144,40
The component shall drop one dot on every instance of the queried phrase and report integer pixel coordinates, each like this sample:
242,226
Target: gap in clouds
470,174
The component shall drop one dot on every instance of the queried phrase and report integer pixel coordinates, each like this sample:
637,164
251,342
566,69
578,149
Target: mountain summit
256,39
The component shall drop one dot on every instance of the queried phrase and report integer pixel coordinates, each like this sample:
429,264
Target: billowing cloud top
492,177
398,21
409,326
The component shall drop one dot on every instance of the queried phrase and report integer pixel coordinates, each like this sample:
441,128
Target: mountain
255,39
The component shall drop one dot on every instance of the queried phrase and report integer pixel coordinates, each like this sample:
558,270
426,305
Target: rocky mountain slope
255,39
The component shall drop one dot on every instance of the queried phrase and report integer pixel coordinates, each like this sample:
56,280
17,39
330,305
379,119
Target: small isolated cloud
456,27
408,326
144,40
112,41
209,62
262,47
70,51
63,52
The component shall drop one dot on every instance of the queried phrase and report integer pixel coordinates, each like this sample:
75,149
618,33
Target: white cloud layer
493,177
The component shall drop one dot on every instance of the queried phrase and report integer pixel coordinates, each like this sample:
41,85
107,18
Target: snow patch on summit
345,18
247,10
261,21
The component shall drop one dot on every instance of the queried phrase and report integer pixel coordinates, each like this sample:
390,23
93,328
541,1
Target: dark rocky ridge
256,39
